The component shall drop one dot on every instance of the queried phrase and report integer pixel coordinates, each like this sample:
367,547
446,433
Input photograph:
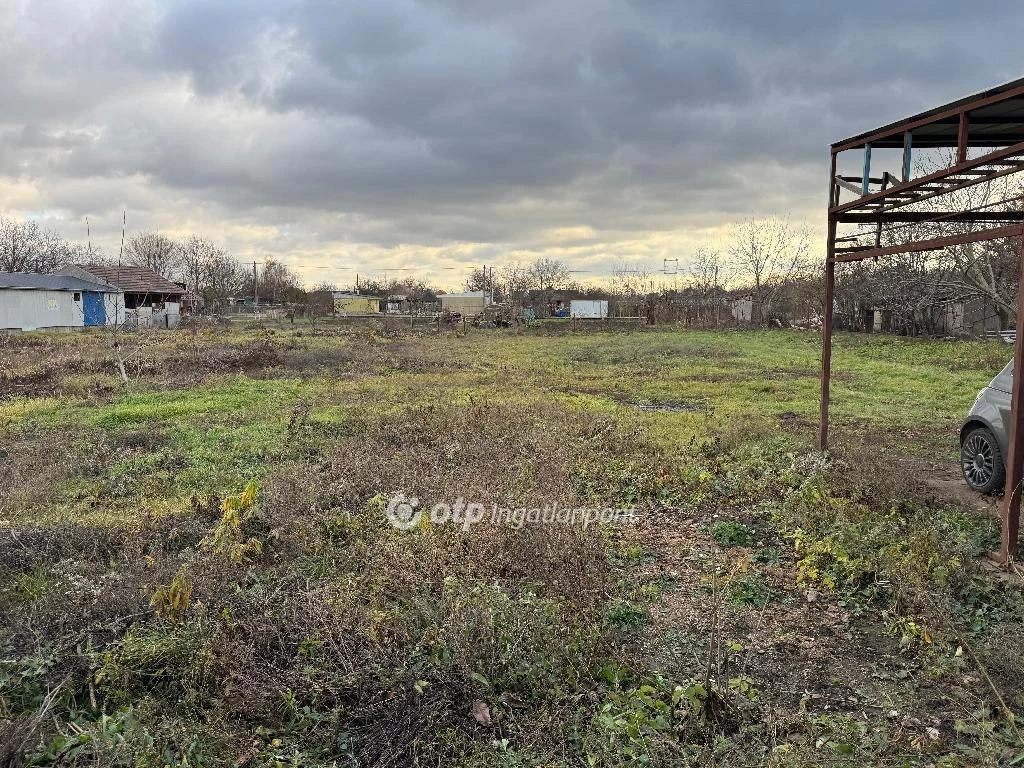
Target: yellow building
356,304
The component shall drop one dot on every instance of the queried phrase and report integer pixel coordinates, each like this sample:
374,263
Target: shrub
730,533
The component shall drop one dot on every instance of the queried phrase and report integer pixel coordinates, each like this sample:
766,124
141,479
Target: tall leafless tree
769,253
223,278
194,256
549,273
516,280
155,251
708,276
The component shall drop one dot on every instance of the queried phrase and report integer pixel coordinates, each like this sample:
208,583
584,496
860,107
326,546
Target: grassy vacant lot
200,572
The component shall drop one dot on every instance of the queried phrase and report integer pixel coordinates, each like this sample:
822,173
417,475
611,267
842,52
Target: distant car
985,435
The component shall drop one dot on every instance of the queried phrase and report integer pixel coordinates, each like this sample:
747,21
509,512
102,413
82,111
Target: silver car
985,434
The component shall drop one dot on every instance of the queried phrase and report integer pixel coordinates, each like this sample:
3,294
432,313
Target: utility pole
255,291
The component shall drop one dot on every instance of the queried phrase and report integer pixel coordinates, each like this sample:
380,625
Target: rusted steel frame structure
992,120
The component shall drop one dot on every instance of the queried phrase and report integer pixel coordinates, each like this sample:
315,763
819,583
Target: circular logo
402,512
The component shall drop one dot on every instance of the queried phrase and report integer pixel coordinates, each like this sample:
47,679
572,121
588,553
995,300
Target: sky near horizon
427,137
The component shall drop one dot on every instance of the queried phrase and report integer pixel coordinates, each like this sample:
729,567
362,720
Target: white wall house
30,302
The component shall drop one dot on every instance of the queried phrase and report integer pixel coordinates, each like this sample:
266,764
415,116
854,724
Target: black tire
981,461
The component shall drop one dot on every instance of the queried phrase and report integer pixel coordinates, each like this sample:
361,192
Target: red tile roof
131,279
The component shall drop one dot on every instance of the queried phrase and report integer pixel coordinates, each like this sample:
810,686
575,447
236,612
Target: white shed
591,308
30,301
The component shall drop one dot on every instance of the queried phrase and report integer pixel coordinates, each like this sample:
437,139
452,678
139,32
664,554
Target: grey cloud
429,122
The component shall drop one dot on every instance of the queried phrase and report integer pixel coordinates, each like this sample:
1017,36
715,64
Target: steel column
908,142
826,346
1015,459
961,141
826,327
866,183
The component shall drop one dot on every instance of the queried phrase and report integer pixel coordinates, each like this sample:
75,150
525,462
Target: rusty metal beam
1000,154
898,216
962,185
932,244
839,253
975,120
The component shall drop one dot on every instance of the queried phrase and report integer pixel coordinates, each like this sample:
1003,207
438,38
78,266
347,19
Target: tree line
768,261
205,268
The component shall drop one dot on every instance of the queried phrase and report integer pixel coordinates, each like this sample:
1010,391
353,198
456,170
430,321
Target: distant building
356,304
30,301
345,303
468,304
142,287
588,308
149,299
743,308
397,304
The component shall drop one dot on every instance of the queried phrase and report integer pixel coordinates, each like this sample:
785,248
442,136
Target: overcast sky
439,134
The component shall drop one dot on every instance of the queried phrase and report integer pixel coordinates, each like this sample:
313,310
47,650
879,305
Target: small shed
397,304
468,304
589,308
355,303
30,301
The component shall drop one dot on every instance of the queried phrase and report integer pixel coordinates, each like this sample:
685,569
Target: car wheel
982,461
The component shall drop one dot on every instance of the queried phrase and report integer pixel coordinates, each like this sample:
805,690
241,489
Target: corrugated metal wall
589,308
464,305
29,310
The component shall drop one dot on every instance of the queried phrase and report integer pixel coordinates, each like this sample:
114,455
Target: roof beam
976,120
897,128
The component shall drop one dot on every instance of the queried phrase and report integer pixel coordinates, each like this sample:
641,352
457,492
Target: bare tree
155,251
549,273
769,253
277,282
224,277
27,247
708,278
483,279
516,280
631,282
194,256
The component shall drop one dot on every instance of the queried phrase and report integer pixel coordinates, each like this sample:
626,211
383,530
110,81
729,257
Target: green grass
224,431
307,623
